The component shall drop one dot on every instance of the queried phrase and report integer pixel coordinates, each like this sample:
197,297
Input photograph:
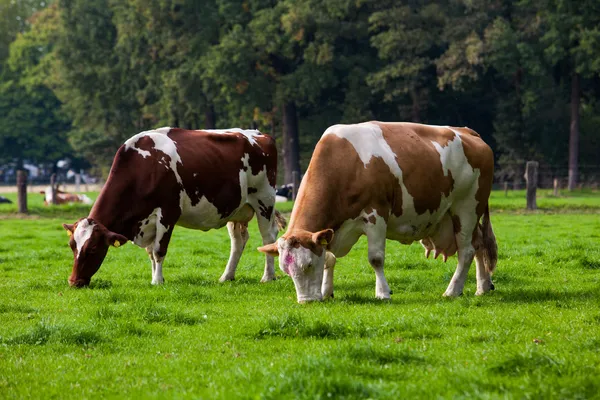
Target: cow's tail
490,247
280,220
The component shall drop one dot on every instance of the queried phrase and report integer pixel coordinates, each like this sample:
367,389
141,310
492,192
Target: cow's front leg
238,234
376,240
268,232
327,285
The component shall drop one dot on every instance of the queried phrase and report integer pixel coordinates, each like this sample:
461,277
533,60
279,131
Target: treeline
77,77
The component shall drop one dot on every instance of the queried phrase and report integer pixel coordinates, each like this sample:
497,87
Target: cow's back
183,173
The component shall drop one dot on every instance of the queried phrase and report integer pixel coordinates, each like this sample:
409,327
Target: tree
572,45
32,127
408,39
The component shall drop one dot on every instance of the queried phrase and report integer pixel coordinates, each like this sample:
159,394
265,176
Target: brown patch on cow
412,144
303,238
456,223
331,194
265,211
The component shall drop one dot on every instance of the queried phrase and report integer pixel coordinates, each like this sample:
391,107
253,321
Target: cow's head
302,256
89,241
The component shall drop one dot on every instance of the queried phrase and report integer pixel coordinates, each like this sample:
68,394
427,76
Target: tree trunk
291,148
210,118
574,133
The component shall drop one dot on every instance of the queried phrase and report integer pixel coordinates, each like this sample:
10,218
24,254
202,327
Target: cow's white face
89,241
302,256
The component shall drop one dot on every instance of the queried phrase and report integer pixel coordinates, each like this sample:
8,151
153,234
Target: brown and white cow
168,176
400,181
64,197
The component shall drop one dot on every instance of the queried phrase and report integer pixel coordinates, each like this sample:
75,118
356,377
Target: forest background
78,77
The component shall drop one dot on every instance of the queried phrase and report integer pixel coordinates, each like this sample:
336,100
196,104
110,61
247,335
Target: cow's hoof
328,296
226,278
452,294
267,279
158,282
487,287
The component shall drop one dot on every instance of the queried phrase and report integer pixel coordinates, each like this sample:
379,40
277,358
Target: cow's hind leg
376,236
238,234
484,278
466,252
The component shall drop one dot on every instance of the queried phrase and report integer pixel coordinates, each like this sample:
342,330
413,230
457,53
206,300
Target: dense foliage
525,74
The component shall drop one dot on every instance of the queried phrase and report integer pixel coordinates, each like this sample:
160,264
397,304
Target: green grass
575,201
536,336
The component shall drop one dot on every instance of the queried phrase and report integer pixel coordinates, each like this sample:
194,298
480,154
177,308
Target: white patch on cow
368,141
82,234
305,268
163,143
147,233
250,134
203,216
243,175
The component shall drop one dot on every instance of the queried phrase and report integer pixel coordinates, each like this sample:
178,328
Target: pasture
536,336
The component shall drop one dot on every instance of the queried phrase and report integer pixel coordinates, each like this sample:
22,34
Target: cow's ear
323,237
116,240
69,228
270,249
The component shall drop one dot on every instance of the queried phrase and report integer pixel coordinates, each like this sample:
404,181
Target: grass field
536,336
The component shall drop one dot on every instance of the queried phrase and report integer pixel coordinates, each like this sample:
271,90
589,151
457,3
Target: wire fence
508,176
512,176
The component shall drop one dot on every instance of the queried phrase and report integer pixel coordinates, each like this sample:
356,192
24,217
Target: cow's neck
110,211
315,208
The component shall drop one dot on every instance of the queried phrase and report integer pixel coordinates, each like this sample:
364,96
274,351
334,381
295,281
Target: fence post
505,189
531,177
556,187
22,191
53,187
